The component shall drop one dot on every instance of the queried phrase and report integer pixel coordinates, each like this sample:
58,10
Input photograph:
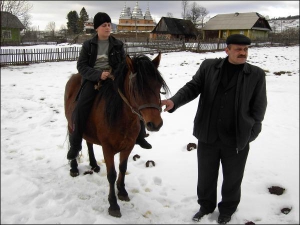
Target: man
98,59
231,108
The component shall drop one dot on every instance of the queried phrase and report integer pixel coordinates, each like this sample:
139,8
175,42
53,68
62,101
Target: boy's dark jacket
88,56
250,99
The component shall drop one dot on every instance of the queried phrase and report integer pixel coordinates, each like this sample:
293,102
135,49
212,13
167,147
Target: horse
114,122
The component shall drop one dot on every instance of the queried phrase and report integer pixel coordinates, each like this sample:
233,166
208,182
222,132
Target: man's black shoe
199,215
73,153
144,144
223,219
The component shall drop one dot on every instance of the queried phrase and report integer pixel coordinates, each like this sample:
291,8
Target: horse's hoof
114,213
96,169
74,173
124,198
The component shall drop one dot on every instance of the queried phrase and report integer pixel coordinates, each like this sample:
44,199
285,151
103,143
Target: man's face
237,54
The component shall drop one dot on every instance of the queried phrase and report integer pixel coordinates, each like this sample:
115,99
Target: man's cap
101,18
238,39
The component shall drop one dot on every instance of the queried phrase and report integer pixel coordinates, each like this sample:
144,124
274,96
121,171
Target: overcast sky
43,12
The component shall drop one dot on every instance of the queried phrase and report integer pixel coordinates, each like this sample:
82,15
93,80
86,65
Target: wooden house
11,28
174,29
251,24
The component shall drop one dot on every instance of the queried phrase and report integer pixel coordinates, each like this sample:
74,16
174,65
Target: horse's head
143,85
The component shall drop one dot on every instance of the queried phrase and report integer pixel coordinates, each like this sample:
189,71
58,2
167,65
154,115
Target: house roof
235,21
175,26
9,20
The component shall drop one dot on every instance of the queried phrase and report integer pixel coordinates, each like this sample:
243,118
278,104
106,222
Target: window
242,32
6,34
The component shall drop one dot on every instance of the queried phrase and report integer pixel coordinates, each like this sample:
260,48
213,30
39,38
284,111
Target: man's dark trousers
233,165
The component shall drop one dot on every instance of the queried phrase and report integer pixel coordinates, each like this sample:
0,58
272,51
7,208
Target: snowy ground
36,187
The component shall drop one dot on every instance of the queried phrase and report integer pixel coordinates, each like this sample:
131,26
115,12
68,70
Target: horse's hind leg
93,162
74,172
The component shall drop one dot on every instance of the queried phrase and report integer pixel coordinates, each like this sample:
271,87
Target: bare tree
51,28
18,8
203,13
184,5
197,14
26,21
193,13
170,15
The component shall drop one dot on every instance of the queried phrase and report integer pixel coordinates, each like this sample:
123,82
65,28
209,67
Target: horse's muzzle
152,127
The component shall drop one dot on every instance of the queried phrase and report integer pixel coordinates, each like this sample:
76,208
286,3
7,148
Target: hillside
279,25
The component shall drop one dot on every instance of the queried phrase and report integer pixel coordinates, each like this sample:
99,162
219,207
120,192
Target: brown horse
114,121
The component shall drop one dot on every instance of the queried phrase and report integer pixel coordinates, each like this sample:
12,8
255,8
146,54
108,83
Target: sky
43,12
36,187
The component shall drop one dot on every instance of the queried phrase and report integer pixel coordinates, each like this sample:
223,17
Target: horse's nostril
152,127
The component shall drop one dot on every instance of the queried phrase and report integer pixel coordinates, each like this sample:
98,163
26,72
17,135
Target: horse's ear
129,63
156,61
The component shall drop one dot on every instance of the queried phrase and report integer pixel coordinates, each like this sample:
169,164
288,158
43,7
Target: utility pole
135,29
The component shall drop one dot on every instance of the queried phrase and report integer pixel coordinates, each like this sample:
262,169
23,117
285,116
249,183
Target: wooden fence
29,55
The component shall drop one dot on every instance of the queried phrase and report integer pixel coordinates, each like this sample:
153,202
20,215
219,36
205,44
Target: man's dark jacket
250,99
88,56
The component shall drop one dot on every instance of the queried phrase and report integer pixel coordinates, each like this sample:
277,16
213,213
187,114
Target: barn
174,29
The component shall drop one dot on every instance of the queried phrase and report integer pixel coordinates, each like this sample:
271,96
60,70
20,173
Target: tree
72,23
51,28
193,13
170,15
184,5
18,8
83,17
26,21
63,30
203,13
197,14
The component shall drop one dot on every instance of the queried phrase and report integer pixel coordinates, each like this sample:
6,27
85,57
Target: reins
150,105
127,103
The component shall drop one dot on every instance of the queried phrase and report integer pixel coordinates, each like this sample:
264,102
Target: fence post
198,46
24,56
58,55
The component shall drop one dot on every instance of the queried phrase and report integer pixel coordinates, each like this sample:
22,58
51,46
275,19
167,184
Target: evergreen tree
72,23
83,17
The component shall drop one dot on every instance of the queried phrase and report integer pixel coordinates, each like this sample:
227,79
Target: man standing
230,112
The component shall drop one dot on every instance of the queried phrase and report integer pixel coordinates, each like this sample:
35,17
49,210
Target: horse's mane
145,73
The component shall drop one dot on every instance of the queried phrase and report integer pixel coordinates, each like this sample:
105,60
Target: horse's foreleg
122,194
74,172
93,162
114,209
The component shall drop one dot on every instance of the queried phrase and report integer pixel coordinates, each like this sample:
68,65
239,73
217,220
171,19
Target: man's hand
168,103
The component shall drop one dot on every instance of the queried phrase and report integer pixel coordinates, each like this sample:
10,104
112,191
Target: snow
36,187
282,25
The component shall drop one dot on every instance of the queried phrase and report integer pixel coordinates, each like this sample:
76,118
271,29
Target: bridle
137,112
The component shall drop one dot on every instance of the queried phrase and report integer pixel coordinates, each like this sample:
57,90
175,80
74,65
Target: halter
150,105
